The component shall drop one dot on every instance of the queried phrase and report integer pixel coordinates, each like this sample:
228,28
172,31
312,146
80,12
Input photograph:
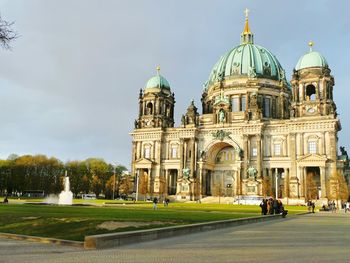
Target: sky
69,87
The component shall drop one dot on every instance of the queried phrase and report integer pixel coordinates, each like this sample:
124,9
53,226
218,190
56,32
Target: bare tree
266,186
337,188
311,187
7,34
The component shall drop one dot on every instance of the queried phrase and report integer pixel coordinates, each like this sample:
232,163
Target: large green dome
249,60
311,60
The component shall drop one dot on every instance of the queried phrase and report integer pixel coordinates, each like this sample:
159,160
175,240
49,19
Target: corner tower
312,87
156,104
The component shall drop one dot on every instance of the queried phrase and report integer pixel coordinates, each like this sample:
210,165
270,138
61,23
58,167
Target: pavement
321,237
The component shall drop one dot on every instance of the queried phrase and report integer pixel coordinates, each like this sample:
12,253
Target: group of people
272,207
166,202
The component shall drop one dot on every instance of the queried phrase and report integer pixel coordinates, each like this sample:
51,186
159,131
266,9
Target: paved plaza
322,237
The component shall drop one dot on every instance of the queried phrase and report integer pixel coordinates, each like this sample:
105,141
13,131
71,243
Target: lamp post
113,182
276,182
137,184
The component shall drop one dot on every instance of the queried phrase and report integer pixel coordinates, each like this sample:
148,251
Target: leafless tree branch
7,34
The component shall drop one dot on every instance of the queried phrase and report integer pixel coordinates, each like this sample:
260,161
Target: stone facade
258,134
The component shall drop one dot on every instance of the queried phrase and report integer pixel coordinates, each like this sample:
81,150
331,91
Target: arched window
267,107
147,152
149,108
310,92
225,155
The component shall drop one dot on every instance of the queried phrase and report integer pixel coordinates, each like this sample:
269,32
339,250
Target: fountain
66,196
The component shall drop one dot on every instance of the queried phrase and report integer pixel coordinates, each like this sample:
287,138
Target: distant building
255,127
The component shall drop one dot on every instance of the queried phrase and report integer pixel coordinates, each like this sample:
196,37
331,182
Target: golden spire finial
311,44
158,69
246,12
246,30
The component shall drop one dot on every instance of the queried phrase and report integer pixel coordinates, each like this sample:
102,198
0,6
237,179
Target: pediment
312,158
144,161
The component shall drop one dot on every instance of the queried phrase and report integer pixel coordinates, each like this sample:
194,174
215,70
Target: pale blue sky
70,86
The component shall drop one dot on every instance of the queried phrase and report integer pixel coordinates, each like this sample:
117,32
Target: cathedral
258,134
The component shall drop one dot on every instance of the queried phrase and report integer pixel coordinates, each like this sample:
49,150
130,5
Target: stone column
259,156
323,181
286,182
305,182
333,152
246,155
193,152
238,182
292,154
200,183
321,140
270,174
167,150
181,158
166,192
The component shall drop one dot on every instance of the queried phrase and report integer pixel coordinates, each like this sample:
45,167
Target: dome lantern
247,35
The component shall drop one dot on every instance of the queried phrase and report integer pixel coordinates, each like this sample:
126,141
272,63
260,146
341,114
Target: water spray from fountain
66,196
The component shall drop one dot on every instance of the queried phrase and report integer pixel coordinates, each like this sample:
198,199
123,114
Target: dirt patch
30,217
112,225
70,220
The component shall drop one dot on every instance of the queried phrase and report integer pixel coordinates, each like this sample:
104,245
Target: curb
44,240
125,238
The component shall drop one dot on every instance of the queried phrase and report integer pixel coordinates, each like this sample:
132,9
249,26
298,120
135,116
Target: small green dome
311,60
247,60
158,81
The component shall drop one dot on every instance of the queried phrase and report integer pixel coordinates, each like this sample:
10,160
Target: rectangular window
312,147
267,108
235,104
243,103
147,152
254,151
174,152
277,149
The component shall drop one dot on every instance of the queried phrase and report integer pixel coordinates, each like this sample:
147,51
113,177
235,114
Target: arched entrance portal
222,170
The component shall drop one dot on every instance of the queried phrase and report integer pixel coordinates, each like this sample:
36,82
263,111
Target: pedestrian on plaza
270,206
333,207
166,202
308,206
280,206
265,206
347,207
155,202
275,206
313,207
6,201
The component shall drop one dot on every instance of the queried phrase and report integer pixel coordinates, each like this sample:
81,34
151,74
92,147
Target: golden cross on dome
246,12
311,44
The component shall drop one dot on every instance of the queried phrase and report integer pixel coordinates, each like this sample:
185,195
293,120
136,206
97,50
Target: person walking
313,206
155,202
275,206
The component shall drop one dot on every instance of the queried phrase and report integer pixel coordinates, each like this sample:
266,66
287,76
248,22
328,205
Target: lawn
75,222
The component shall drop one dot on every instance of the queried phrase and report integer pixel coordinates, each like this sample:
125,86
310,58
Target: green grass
75,222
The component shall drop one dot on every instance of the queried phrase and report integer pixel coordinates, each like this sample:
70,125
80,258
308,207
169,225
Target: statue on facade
252,172
221,116
186,173
343,151
183,120
136,124
252,72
